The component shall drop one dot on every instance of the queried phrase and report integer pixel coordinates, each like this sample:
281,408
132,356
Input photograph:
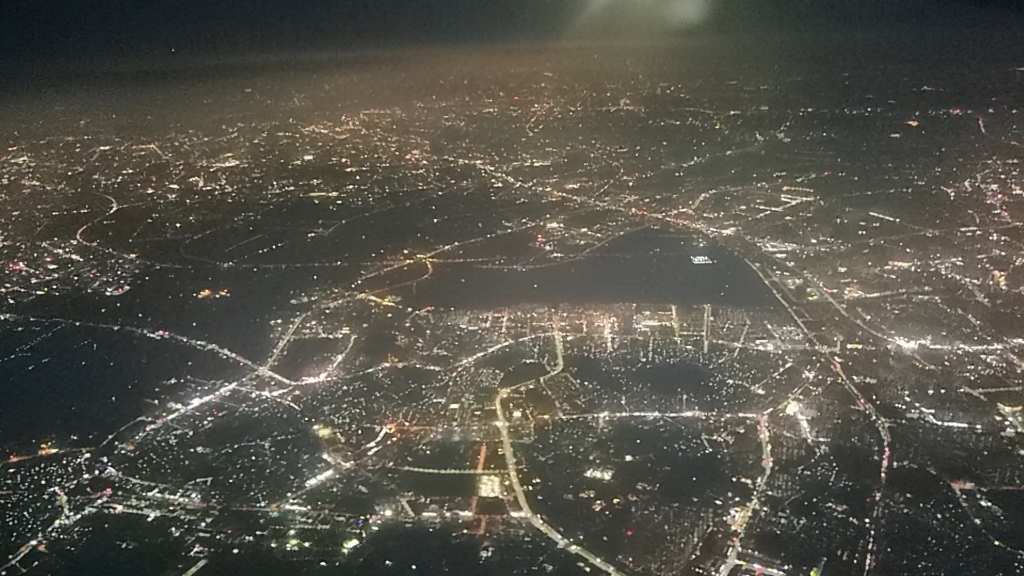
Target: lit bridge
443,470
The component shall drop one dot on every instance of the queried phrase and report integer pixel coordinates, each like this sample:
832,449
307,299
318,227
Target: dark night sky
31,29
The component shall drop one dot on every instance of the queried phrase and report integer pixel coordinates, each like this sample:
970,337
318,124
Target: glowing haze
642,16
686,12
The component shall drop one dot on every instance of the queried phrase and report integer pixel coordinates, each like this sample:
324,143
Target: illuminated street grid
845,398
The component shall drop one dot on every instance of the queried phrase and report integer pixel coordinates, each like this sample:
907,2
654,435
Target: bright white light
319,478
489,486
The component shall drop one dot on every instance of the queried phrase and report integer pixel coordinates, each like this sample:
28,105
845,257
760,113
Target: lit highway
513,473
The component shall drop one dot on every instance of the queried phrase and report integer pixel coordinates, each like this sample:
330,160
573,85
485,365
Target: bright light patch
489,486
319,478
